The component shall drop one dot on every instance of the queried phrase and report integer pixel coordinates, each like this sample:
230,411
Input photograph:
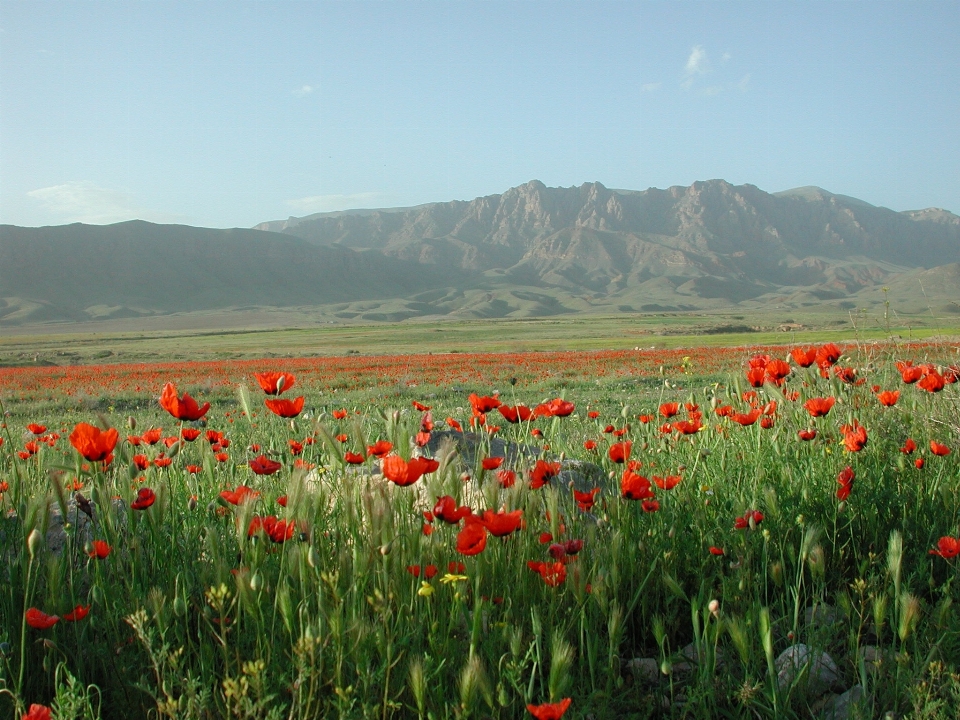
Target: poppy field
725,532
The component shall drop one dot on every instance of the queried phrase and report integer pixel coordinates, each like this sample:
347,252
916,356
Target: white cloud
87,202
697,63
303,90
726,56
649,87
331,203
744,83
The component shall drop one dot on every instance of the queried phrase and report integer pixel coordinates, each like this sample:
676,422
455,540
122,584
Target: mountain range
530,251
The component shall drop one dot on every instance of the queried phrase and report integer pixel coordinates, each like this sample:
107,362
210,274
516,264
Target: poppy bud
34,542
313,557
132,422
192,502
180,606
714,608
256,582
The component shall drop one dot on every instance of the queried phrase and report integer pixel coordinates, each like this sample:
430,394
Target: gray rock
82,526
581,476
821,616
646,670
814,669
842,707
469,444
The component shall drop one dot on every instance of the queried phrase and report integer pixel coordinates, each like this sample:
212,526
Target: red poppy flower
932,382
827,355
947,547
804,358
214,437
688,427
777,370
95,445
141,461
554,408
909,373
99,549
649,506
746,419
145,498
635,487
542,473
888,398
185,408
586,500
39,620
403,472
919,463
845,478
715,550
78,613
518,413
854,436
908,447
668,410
506,478
766,422
667,483
819,407
380,448
354,458
446,509
473,538
162,462
750,519
194,469
37,712
553,574
339,414
37,429
274,383
938,449
454,424
420,406
808,434
240,495
549,711
756,376
277,530
485,404
502,523
285,408
491,463
222,457
620,452
846,374
590,445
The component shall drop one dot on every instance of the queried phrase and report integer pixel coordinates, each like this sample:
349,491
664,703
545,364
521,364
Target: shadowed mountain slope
530,251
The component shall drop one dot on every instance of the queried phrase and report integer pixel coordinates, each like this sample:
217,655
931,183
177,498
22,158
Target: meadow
756,531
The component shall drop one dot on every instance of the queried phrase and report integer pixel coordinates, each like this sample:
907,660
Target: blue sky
227,114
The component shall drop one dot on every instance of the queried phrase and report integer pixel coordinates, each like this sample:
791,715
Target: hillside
530,251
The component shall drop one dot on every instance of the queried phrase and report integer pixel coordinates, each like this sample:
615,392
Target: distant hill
530,251
81,272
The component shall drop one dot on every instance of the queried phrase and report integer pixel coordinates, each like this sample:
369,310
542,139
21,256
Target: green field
676,586
56,345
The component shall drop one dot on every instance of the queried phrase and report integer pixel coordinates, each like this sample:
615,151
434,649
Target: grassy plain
737,542
166,339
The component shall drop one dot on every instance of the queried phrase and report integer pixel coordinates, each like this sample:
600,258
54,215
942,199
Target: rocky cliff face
603,240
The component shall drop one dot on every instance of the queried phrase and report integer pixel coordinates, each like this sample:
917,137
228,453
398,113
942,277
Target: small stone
841,707
815,668
645,670
821,616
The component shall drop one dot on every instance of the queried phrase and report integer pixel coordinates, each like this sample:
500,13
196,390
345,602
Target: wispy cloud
332,203
698,63
650,87
86,202
303,90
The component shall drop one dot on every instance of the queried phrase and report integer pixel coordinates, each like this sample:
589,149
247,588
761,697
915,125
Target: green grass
192,618
670,330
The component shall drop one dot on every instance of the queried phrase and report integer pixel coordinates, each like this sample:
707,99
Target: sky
227,114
